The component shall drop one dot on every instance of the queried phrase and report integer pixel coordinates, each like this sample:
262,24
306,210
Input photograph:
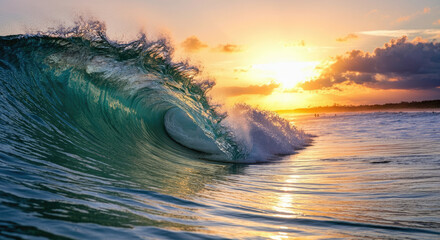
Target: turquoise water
104,140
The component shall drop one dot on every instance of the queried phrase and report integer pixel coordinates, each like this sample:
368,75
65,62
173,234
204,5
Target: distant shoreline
422,105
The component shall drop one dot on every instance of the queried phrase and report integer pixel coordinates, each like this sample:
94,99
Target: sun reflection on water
285,204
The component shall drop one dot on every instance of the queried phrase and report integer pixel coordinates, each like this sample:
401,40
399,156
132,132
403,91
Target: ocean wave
75,85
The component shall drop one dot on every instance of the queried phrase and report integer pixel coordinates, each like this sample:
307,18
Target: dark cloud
347,38
228,48
193,44
400,64
266,89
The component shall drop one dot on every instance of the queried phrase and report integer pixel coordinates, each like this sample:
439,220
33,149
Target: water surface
366,175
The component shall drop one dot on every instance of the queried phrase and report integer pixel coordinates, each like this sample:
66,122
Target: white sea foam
264,133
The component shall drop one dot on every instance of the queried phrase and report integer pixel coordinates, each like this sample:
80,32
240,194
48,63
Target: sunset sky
275,54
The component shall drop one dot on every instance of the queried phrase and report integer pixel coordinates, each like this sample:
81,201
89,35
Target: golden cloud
347,38
228,48
233,91
193,44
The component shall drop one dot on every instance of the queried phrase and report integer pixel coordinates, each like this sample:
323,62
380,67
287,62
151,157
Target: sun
288,74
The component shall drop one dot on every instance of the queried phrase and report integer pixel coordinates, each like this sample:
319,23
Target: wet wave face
97,134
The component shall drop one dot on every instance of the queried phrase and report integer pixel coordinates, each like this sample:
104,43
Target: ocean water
108,140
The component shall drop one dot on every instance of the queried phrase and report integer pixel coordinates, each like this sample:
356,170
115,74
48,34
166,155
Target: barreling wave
77,87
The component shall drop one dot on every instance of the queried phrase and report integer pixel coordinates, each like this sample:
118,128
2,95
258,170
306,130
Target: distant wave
77,87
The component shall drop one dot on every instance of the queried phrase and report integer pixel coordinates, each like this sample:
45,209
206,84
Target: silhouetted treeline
350,108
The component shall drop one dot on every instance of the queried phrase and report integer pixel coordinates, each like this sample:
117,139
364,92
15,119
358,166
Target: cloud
241,70
402,32
400,64
426,10
193,44
228,48
419,40
266,89
436,22
347,38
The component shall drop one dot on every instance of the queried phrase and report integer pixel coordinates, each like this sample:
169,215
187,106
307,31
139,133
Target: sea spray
264,133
